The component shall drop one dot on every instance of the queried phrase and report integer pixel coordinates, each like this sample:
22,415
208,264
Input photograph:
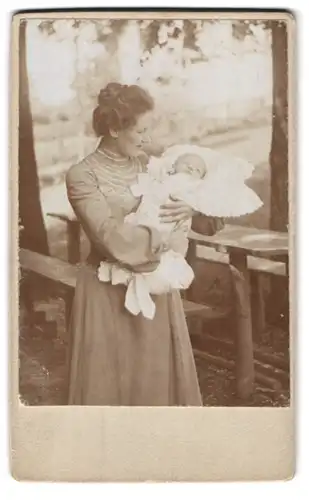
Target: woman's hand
176,211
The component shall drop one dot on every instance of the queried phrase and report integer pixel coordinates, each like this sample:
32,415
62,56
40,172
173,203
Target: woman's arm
178,211
138,248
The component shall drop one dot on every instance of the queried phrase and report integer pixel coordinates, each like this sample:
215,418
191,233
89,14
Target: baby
214,185
191,164
188,174
164,181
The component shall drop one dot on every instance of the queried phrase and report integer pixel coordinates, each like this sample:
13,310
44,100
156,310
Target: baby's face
190,164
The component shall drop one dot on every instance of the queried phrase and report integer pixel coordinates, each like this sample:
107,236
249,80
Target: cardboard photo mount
157,443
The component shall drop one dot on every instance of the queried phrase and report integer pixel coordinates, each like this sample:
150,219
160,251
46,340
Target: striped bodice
115,175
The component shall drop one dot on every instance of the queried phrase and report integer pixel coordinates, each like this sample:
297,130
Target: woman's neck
110,145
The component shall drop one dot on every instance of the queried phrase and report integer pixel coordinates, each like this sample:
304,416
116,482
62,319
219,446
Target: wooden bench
252,252
255,264
257,267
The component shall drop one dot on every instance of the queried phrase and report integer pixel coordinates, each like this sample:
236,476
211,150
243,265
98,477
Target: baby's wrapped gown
223,193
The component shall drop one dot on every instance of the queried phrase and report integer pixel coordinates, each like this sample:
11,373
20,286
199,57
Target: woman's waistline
94,259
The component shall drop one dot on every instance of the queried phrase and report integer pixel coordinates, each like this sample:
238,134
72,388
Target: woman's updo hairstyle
119,107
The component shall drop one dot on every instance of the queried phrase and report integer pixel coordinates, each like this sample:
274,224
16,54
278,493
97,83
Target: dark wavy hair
119,107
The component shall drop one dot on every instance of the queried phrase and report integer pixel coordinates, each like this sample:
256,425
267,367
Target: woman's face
131,141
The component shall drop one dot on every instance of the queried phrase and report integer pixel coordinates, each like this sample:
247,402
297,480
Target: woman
117,358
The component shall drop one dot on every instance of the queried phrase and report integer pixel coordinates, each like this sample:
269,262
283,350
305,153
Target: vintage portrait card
152,309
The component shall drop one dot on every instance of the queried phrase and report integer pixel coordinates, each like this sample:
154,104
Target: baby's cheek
197,174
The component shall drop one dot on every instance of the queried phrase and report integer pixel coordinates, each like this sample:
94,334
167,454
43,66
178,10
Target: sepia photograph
154,214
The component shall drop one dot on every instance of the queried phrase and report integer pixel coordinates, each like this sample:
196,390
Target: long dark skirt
120,359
